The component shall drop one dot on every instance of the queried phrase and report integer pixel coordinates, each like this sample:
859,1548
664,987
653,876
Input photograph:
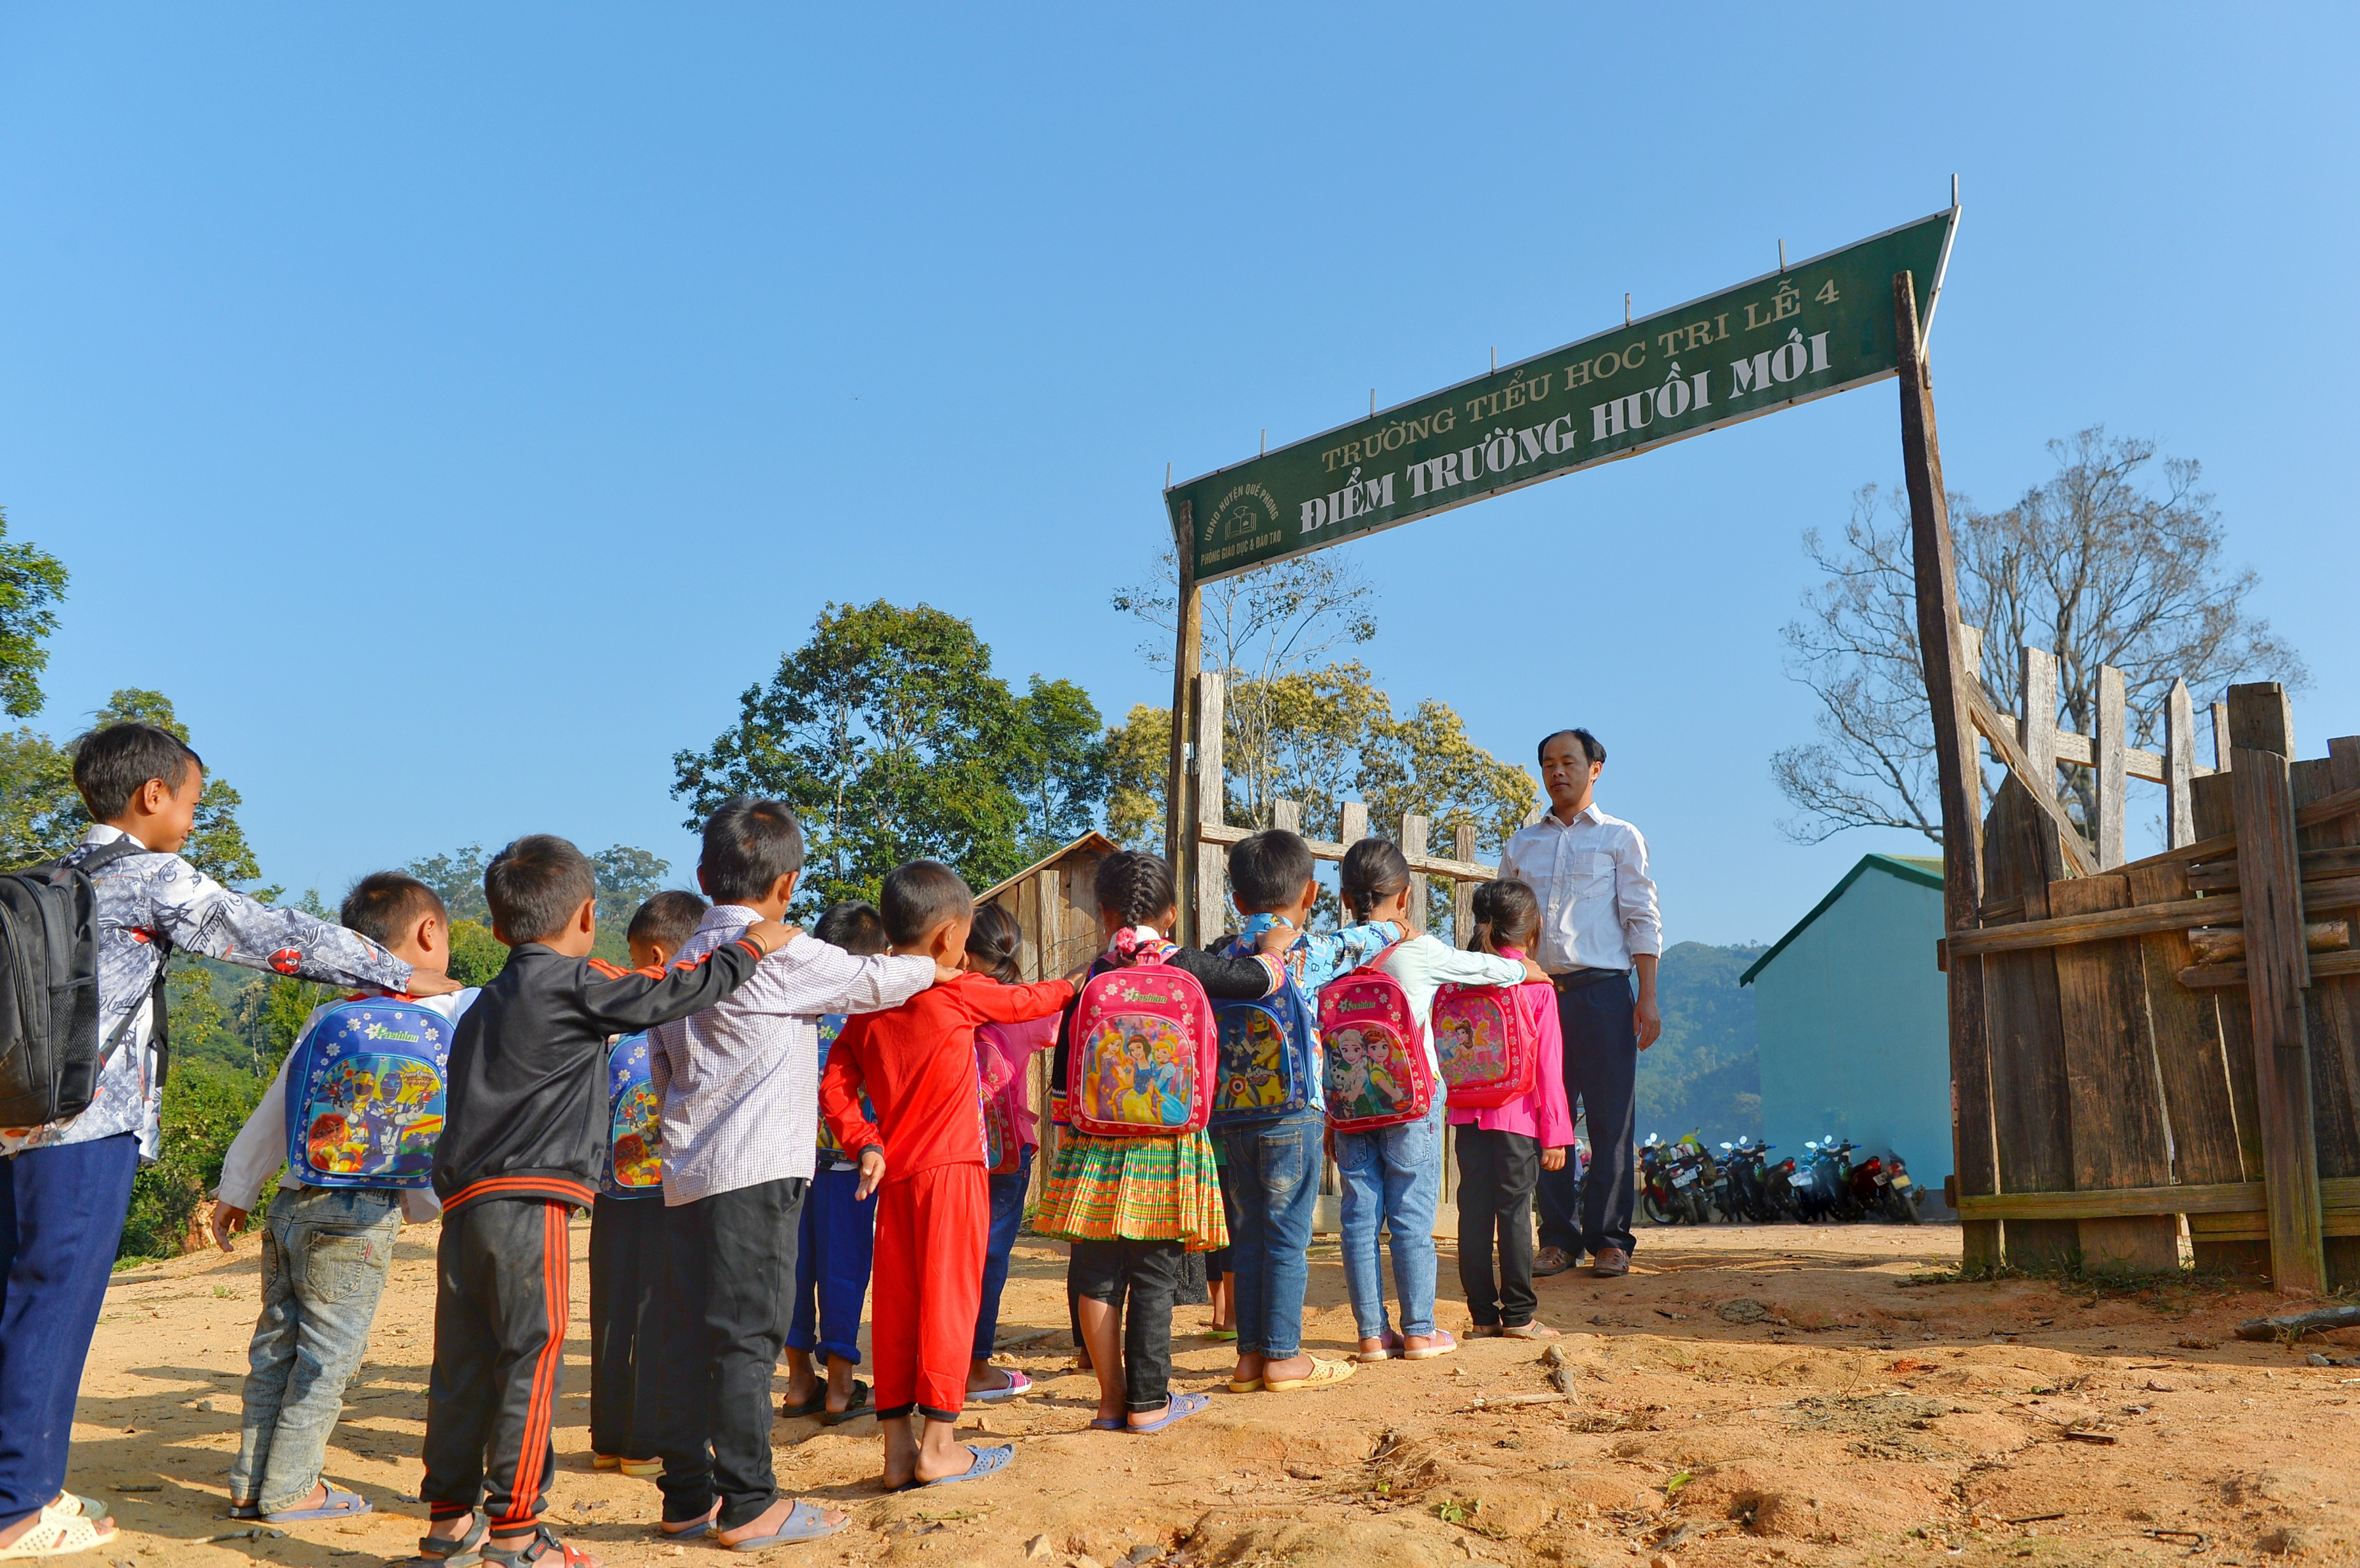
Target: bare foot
771,1521
983,1378
695,1526
450,1528
957,1460
1294,1367
1418,1342
1248,1368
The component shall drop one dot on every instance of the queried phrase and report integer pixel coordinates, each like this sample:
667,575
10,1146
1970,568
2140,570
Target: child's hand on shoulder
1536,976
426,983
1276,940
1552,1158
771,935
872,1172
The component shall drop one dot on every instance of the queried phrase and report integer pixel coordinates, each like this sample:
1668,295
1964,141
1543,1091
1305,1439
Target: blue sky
453,409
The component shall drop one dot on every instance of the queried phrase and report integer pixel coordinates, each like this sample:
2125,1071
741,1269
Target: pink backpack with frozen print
1488,1055
1145,1053
1377,1075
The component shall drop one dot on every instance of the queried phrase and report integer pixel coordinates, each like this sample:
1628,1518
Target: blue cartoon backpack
366,1092
634,1122
1269,1049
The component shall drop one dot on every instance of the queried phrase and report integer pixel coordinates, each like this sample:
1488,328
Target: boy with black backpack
353,1114
81,1086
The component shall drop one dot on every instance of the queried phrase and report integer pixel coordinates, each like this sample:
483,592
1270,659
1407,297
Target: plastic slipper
1391,1344
1442,1343
70,1505
988,1462
640,1469
1017,1383
540,1546
245,1511
1533,1330
460,1554
614,1461
811,1407
58,1535
853,1411
1245,1384
341,1504
1322,1374
1181,1407
689,1529
1484,1331
1107,1423
803,1523
1221,1333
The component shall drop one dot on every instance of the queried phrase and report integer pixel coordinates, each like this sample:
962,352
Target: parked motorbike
1902,1195
1656,1200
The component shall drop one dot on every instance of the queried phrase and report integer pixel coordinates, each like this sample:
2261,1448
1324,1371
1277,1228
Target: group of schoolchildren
766,1123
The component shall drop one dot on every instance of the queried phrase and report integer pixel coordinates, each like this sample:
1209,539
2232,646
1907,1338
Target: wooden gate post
2278,971
1211,890
1975,1157
1179,798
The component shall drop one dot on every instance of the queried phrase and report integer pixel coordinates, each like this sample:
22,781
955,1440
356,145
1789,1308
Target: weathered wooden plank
1288,816
1188,656
2120,1135
2179,765
2278,972
2209,1233
2221,746
1413,845
2327,863
2111,740
2332,1005
2026,1101
2000,730
2214,846
2209,1201
2198,1106
1355,825
2210,804
1462,892
2223,944
2098,925
1212,880
2213,976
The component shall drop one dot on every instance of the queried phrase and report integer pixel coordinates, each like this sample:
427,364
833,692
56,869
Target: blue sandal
803,1523
1181,1407
340,1504
988,1462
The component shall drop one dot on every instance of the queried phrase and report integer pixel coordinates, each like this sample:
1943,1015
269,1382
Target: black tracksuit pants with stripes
502,1290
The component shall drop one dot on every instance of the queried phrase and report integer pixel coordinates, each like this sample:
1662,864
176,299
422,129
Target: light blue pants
1392,1177
326,1255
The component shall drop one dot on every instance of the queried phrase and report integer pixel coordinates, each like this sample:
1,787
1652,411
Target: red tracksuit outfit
934,1212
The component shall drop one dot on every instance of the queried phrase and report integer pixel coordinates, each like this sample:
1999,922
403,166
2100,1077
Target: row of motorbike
1687,1184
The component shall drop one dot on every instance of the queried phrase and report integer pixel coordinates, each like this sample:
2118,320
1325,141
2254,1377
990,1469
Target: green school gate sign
1818,327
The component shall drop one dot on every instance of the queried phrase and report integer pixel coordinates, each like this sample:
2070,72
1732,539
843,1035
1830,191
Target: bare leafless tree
2116,560
1260,626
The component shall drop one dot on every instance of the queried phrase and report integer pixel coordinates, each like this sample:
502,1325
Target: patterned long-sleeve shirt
146,896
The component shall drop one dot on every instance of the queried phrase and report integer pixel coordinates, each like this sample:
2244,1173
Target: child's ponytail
1373,872
1507,914
1135,887
992,942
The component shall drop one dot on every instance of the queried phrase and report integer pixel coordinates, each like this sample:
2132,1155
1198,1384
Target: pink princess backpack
1377,1075
1145,1053
1488,1055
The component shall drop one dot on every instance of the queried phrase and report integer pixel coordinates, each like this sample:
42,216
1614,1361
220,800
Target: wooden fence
2136,1043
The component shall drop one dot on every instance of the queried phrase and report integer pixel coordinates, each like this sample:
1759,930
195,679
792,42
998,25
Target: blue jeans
1392,1177
1272,1181
326,1255
1007,1219
833,1258
62,1213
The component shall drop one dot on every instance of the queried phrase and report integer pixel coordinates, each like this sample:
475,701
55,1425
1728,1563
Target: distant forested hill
1701,1076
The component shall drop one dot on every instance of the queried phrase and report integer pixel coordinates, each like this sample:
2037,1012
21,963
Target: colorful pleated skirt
1135,1189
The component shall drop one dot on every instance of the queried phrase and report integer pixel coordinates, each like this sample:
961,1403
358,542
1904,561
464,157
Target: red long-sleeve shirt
917,1062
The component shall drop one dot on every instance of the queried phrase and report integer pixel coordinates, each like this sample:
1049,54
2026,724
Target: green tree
1059,754
1138,760
475,954
627,878
205,1104
458,879
31,580
893,739
44,816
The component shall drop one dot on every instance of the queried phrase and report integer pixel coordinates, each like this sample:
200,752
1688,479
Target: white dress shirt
740,1079
1598,903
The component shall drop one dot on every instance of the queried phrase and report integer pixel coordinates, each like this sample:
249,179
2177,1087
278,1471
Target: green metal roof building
1851,1015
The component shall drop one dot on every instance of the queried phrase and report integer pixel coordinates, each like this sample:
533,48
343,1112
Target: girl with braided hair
1133,1206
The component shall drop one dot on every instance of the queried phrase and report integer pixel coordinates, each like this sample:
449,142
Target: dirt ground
1748,1395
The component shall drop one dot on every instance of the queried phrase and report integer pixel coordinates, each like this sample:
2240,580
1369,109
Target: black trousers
1599,1024
1497,1173
503,1286
626,1261
1148,1273
729,1272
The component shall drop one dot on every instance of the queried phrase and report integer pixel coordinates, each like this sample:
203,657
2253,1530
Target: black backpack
50,1055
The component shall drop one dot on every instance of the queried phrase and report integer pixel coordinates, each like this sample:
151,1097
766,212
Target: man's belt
1582,979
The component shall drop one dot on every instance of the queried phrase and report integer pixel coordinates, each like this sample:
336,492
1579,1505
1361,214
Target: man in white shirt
1599,925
